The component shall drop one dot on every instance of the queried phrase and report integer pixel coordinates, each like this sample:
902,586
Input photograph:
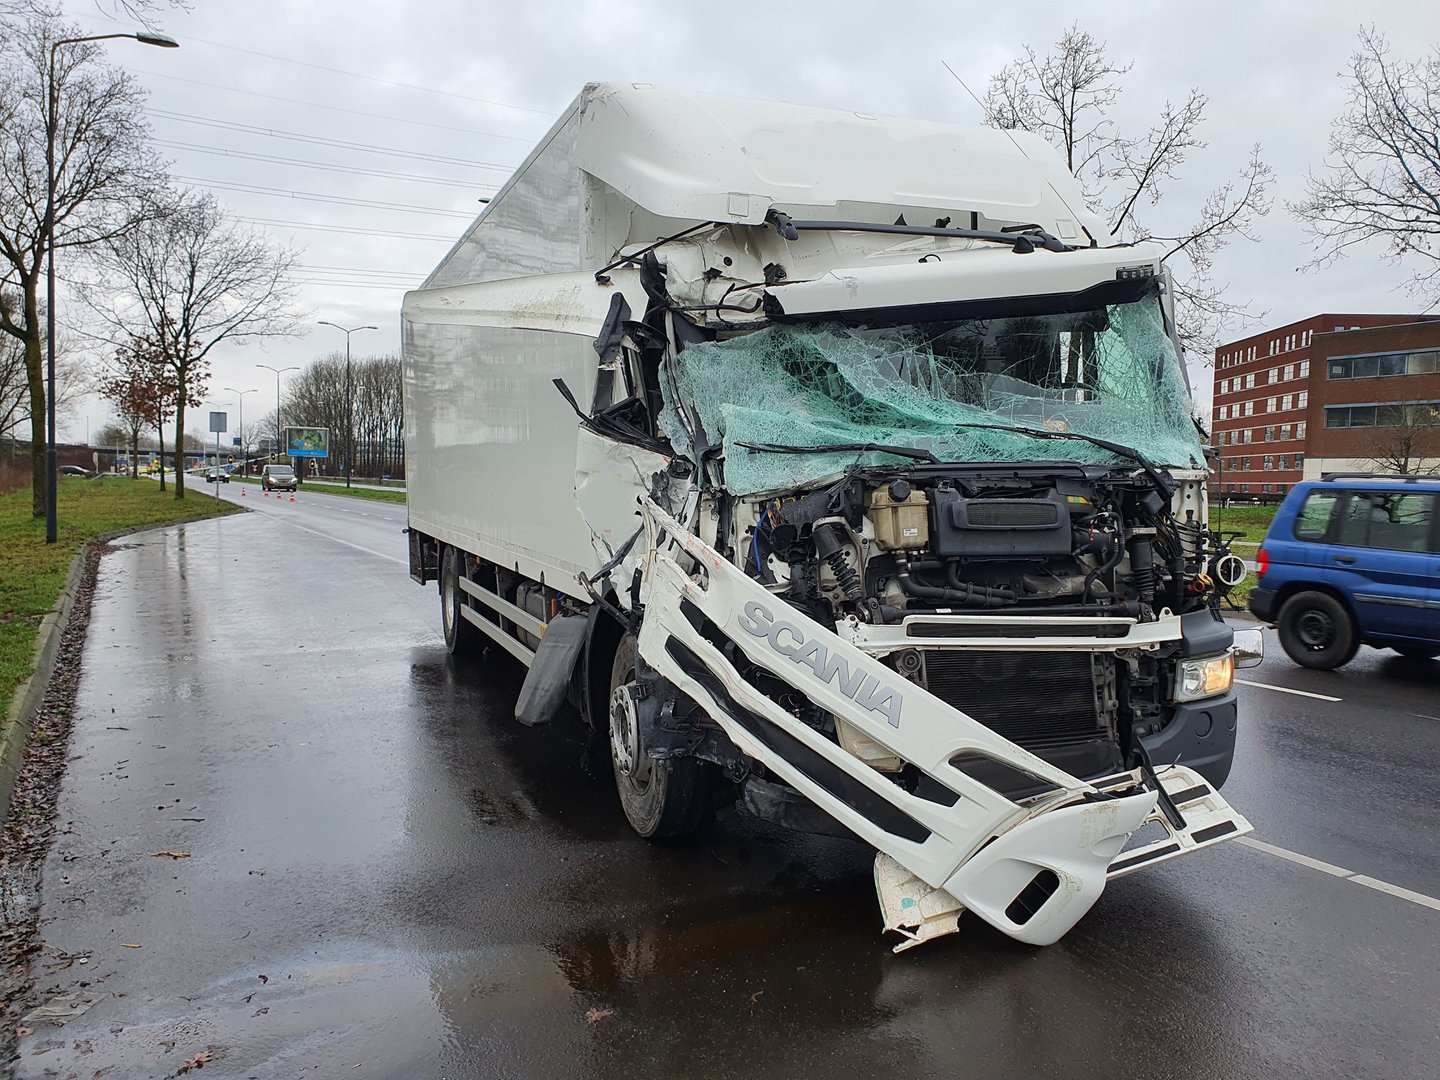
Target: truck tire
1316,631
461,638
661,799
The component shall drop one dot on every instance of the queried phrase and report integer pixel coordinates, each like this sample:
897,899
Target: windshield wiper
1022,243
898,451
1161,482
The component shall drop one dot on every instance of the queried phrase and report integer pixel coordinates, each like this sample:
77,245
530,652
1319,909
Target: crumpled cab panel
1031,871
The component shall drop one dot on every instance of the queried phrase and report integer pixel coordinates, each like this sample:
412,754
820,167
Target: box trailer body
844,466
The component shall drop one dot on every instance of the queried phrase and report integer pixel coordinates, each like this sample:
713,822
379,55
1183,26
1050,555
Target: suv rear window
1391,520
1313,521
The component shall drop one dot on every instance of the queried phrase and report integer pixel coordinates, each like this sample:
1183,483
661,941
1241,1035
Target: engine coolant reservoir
900,516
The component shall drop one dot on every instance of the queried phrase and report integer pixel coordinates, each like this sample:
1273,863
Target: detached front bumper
1030,870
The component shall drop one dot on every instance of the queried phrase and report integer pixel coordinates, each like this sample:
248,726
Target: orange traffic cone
292,496
264,493
242,492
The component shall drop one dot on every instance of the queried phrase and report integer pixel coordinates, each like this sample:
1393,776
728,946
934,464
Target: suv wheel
1316,631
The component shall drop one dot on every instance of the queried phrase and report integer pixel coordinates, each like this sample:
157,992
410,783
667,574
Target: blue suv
1353,559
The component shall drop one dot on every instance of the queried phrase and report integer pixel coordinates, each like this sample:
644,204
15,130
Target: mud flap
547,683
1032,871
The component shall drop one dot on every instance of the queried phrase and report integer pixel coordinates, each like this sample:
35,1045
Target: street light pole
278,428
52,106
349,407
244,457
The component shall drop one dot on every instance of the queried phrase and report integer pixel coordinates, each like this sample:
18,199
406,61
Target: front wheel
1316,631
661,798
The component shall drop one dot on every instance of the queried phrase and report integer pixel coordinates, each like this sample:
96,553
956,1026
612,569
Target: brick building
1327,393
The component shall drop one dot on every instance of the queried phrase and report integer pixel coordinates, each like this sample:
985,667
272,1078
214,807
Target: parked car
1353,559
278,478
217,476
74,470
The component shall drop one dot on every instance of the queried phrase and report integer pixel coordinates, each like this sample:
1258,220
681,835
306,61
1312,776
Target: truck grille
1043,701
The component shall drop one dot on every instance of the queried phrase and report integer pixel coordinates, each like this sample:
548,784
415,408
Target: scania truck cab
845,468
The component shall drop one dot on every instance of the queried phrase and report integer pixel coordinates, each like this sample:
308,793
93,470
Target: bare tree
104,169
316,398
1067,97
142,11
190,279
1381,181
1409,443
71,382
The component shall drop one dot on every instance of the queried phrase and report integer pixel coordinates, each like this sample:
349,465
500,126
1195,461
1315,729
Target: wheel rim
625,741
1315,629
447,611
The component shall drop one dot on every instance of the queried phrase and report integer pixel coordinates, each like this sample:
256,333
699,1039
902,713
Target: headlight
1204,677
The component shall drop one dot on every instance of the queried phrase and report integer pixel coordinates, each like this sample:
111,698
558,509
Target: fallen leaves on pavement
170,854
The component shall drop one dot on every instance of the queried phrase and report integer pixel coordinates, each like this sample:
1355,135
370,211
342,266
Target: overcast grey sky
476,85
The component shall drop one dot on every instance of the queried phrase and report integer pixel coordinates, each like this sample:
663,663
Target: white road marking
347,543
1340,872
1288,690
1396,890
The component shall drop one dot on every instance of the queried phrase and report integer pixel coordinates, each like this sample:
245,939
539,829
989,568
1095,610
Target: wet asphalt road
389,878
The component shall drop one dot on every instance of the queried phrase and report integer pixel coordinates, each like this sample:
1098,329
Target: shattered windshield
1111,373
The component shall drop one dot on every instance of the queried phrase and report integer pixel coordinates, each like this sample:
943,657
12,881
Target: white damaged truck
843,467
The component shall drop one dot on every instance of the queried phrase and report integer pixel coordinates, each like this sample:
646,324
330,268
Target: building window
1299,433
1270,404
1280,489
1264,489
1273,376
1289,372
1248,434
1244,464
1244,487
1267,463
1302,399
1394,414
1305,340
1269,434
1299,461
1305,368
1250,381
1224,386
1284,462
1385,365
1287,402
1284,432
1252,355
1224,412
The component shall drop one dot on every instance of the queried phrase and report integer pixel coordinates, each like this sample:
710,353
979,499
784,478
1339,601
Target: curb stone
31,693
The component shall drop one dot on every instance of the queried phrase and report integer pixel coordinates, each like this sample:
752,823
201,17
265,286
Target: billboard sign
308,442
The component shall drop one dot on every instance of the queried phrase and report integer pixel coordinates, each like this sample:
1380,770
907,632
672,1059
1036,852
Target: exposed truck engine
842,468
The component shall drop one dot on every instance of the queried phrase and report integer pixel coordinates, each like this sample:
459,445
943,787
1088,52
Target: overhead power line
309,196
376,78
246,155
388,234
359,270
330,108
324,140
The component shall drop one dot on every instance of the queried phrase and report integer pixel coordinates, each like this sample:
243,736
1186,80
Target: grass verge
324,488
32,572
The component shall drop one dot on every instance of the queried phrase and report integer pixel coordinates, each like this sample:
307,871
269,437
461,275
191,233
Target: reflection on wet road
387,872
